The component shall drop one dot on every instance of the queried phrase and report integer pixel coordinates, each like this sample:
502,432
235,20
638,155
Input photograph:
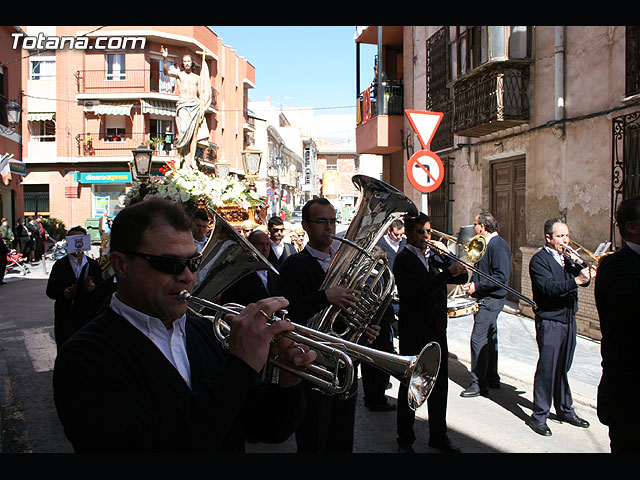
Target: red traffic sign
270,192
425,171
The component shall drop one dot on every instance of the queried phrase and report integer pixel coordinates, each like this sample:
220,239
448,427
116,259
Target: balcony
130,81
491,99
116,145
136,81
378,130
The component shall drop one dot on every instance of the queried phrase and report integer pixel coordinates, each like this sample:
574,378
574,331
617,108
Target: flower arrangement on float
195,188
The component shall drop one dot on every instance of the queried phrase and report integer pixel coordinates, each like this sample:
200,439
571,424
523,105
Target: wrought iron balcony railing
143,80
118,144
392,101
491,99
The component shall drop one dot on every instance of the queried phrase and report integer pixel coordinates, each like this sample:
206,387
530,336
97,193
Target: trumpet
335,372
451,256
474,249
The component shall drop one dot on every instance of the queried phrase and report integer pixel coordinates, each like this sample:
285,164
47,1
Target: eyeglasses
323,221
169,264
277,229
422,231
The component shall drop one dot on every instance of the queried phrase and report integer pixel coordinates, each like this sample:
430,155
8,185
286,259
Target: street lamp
251,158
141,164
222,169
13,114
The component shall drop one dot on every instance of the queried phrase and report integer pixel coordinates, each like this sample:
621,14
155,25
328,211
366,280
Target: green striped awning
112,109
158,107
34,117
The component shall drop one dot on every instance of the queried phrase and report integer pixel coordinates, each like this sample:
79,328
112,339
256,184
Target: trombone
451,256
418,372
474,249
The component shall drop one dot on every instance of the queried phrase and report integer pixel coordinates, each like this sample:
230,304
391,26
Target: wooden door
508,188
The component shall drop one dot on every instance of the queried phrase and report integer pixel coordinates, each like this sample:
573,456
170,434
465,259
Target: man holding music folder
71,284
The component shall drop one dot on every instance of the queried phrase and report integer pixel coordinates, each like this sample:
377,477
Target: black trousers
374,380
484,343
556,346
436,404
624,436
328,423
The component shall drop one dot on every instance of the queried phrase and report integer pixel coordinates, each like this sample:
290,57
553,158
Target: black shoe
575,420
474,391
444,445
405,449
539,427
494,385
381,407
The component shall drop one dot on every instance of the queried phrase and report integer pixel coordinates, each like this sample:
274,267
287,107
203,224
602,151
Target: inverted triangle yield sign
425,124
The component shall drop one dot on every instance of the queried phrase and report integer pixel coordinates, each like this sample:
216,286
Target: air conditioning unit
90,105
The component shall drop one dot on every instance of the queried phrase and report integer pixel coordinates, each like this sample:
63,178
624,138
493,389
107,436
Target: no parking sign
425,169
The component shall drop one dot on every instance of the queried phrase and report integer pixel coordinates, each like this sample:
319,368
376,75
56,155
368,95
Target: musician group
147,374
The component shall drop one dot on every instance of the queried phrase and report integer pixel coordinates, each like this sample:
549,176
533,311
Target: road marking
40,347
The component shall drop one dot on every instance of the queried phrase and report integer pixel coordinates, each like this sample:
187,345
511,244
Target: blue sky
305,66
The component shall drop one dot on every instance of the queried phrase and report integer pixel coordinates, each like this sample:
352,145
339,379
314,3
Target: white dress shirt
424,257
77,265
323,258
171,342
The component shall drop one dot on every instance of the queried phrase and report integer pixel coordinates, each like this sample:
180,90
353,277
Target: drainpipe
558,55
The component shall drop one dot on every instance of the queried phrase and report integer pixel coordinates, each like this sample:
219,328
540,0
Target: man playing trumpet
146,377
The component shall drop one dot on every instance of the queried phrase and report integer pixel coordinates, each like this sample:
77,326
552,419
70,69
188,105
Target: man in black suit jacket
491,297
329,421
616,292
374,380
72,284
421,277
145,377
256,285
280,250
555,277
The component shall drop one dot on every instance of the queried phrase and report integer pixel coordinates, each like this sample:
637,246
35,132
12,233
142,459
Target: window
632,60
36,199
115,66
42,68
42,130
332,163
115,128
473,46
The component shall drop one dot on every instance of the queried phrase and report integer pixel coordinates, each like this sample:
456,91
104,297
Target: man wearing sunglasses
329,421
421,274
145,377
280,249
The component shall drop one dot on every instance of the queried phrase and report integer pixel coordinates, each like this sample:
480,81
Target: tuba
228,256
357,263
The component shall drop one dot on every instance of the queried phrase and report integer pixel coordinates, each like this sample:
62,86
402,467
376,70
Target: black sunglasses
169,264
421,231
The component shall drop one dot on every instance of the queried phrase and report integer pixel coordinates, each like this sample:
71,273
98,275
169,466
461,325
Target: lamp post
13,115
251,158
140,166
222,169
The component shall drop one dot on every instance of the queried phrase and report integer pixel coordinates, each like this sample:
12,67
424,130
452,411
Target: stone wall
587,317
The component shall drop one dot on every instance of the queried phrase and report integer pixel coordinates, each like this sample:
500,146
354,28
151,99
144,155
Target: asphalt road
477,425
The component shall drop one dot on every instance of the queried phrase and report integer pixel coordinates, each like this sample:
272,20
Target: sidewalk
518,353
